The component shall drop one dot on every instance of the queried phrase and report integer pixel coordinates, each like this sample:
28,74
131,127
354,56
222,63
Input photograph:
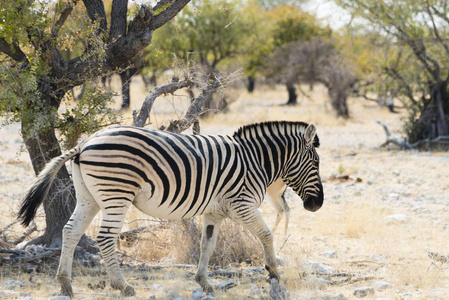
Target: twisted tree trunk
434,118
62,75
292,96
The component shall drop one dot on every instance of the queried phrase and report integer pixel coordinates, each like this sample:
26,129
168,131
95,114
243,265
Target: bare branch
195,108
441,142
402,144
27,232
435,29
62,18
139,120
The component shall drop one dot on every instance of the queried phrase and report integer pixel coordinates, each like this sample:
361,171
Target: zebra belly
150,204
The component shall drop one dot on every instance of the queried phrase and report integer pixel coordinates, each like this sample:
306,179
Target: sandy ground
372,236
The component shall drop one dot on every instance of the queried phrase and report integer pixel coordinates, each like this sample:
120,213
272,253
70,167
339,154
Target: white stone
381,285
329,253
13,284
397,219
319,268
197,294
363,291
60,298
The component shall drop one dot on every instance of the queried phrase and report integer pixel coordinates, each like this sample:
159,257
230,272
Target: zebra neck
265,160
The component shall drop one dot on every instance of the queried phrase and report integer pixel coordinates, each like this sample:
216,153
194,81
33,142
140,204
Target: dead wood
24,256
439,143
133,232
225,273
438,257
27,233
147,105
343,178
196,107
404,144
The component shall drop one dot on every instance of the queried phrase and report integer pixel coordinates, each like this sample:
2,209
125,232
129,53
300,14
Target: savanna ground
375,229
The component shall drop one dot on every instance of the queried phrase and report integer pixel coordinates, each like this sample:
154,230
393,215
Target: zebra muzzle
314,203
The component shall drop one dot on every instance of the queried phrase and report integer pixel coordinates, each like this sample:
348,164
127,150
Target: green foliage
297,26
402,51
207,32
21,99
90,113
21,16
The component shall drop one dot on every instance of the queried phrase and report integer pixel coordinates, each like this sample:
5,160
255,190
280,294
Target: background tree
316,61
415,58
37,75
294,25
210,33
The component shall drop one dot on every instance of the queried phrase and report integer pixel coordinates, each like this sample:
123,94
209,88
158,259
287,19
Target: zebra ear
310,133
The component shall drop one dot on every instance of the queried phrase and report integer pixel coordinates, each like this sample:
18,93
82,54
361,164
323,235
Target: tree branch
95,11
118,19
13,51
195,108
121,51
140,119
62,18
172,8
435,29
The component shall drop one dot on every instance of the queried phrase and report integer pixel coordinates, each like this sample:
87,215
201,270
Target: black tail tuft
34,199
37,193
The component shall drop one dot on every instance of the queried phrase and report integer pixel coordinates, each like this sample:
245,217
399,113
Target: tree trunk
60,203
251,84
433,121
125,77
292,96
338,99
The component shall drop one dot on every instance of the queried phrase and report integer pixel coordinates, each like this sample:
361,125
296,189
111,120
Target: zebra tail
37,193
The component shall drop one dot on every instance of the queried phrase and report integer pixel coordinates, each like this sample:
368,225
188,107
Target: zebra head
302,174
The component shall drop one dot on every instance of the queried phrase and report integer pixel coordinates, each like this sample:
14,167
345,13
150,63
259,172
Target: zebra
276,196
176,176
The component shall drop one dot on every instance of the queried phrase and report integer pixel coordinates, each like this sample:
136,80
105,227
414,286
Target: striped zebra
276,196
174,176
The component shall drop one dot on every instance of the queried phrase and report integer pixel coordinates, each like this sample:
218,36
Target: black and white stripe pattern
175,176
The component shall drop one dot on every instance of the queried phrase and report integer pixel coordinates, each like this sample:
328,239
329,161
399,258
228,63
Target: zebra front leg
251,219
211,227
111,225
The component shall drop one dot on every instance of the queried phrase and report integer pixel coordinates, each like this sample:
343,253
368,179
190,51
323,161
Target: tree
415,58
209,33
38,76
312,62
293,25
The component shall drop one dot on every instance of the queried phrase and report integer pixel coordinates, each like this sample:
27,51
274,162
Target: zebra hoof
128,292
66,290
66,286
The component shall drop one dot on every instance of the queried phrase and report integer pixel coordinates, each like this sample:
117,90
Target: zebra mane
301,126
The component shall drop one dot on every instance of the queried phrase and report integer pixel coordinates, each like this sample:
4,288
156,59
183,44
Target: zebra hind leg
85,211
113,216
211,227
286,211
